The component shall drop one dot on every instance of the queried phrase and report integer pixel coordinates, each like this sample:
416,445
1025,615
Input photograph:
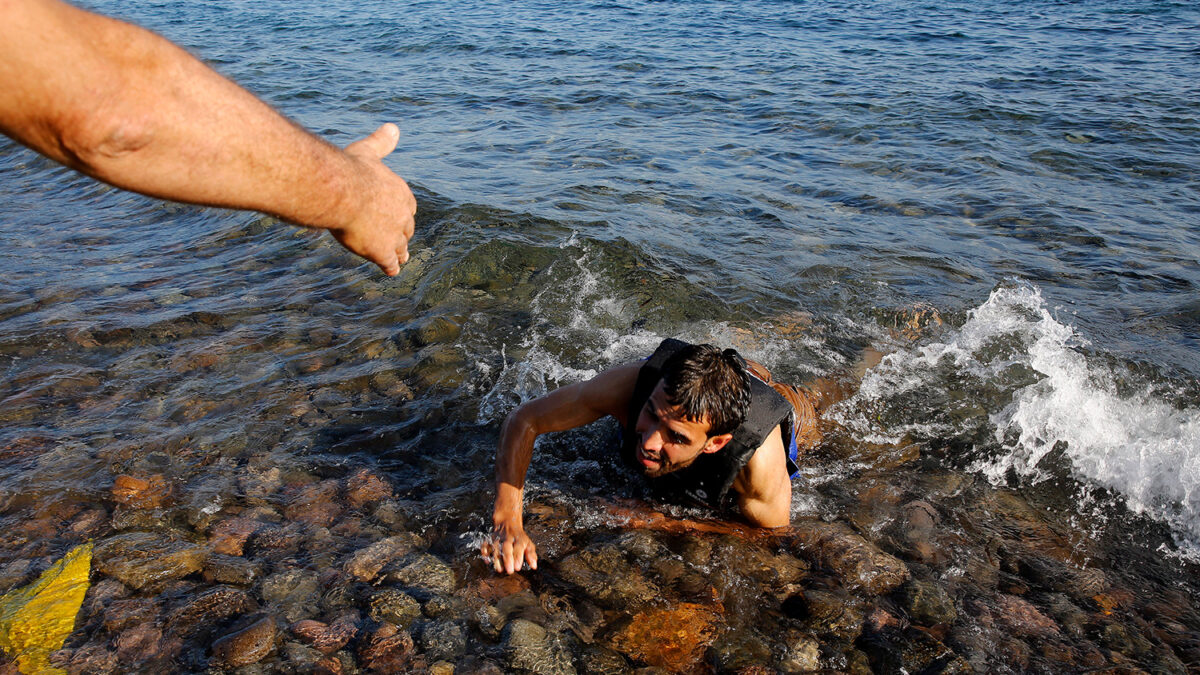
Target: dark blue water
596,176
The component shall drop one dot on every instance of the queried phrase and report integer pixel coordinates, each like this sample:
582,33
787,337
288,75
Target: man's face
667,442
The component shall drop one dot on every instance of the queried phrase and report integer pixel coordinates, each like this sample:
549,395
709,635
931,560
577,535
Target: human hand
383,204
509,548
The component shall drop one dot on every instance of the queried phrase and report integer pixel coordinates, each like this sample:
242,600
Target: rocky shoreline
310,574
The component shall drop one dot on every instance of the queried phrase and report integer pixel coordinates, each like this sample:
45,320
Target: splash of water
1050,399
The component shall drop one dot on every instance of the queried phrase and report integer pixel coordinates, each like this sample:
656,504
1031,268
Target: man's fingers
531,557
379,144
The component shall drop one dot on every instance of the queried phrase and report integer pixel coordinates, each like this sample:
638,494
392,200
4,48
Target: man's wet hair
708,384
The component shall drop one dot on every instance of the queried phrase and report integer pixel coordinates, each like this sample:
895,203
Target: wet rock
834,612
141,493
673,638
140,559
1071,619
292,593
738,651
273,541
141,645
598,660
88,523
314,504
603,573
329,665
366,563
928,603
442,606
226,569
1120,639
90,659
388,650
328,638
421,571
913,651
246,646
210,608
442,641
229,536
529,648
1022,619
299,657
394,606
366,487
858,563
259,484
122,614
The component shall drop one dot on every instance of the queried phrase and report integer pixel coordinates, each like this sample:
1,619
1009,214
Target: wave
1045,401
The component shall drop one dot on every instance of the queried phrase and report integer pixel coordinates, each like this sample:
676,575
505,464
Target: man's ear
715,443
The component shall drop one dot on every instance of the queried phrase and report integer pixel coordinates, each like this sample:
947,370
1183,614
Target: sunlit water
790,178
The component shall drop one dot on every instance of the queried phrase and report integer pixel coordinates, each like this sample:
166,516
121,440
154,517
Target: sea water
798,179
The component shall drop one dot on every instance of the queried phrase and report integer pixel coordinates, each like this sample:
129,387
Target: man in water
127,107
703,425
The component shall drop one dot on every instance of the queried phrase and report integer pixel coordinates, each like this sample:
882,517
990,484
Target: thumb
379,144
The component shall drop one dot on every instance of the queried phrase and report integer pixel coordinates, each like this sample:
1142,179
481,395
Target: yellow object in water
35,620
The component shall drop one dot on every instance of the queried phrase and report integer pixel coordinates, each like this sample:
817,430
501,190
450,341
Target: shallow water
798,180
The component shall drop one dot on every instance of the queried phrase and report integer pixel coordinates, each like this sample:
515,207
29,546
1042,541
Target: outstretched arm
566,408
130,108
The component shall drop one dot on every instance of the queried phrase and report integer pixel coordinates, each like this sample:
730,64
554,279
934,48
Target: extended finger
380,143
531,557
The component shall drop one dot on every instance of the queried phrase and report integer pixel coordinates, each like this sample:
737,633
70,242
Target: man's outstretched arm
130,108
566,408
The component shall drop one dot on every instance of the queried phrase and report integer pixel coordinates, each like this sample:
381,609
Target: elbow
94,142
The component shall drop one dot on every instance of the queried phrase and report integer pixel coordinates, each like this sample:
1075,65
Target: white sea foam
1138,445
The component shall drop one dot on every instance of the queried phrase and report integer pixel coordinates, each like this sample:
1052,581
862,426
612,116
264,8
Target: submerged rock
248,645
530,648
857,562
388,650
603,573
394,606
328,638
366,563
443,641
928,603
139,559
674,638
421,571
210,608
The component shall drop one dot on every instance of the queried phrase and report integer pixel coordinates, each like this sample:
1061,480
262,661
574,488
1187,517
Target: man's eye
679,439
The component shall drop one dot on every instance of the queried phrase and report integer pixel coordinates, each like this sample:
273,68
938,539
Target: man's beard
666,466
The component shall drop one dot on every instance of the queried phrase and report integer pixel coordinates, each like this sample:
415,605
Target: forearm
513,457
136,111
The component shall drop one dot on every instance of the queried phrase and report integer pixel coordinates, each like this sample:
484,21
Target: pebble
246,646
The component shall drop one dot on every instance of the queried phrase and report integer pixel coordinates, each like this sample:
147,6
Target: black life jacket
706,480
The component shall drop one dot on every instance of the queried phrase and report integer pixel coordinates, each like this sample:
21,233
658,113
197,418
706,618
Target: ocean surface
1002,197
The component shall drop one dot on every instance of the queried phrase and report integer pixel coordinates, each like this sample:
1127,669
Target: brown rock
248,645
674,639
367,562
122,614
139,559
141,493
139,643
328,666
1023,619
229,536
210,608
314,504
859,563
366,487
327,638
387,650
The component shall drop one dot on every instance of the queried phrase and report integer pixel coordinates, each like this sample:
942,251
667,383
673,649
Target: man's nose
652,439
